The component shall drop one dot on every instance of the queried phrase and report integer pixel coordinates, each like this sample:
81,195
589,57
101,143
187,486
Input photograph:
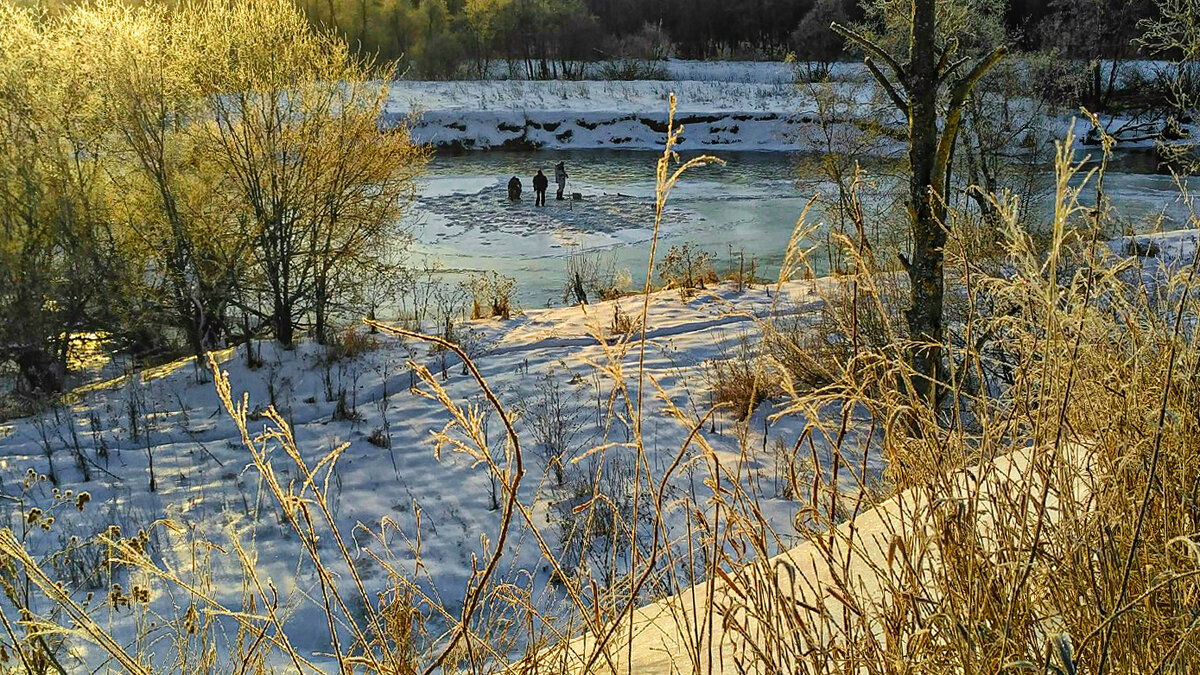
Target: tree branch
958,98
953,68
950,50
897,99
872,49
962,89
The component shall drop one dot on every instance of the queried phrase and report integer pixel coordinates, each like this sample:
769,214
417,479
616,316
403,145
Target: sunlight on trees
173,170
916,88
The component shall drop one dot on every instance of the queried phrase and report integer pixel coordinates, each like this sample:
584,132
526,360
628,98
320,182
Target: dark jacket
540,182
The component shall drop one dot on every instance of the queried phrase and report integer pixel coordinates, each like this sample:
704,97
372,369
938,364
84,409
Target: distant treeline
546,38
549,38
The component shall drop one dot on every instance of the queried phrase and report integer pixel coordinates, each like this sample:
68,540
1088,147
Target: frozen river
464,220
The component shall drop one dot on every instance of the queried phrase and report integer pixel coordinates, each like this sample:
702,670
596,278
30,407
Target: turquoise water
749,205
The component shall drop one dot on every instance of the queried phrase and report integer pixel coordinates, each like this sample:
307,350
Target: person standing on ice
560,177
540,183
514,189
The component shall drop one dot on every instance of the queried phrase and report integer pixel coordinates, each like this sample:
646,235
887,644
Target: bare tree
318,182
915,87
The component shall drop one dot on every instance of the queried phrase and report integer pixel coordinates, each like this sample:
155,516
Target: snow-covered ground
205,480
104,441
731,106
756,106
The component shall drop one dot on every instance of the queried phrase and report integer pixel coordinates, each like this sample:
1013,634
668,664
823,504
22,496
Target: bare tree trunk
282,320
930,154
926,194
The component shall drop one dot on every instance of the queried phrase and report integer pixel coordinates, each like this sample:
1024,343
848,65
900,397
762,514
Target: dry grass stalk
1042,520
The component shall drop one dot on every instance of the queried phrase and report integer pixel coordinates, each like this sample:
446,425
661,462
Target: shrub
743,379
633,69
622,322
687,268
491,295
591,275
380,438
345,410
593,513
349,344
554,421
741,271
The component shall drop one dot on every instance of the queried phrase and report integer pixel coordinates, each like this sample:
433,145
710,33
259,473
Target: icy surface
750,206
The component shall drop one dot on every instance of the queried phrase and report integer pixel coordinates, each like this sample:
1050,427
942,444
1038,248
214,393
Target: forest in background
444,38
544,39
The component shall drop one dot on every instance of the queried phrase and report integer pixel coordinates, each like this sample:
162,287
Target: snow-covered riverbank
724,106
728,106
390,478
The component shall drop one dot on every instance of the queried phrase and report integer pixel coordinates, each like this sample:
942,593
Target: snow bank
204,477
644,130
733,105
760,111
661,635
768,72
1173,251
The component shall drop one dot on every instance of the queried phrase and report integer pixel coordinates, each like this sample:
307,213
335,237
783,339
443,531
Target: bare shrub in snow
739,270
594,513
687,268
351,342
622,323
554,420
491,295
380,438
591,275
744,378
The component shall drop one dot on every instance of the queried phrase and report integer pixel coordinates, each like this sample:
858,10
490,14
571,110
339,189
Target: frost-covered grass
388,469
522,491
357,481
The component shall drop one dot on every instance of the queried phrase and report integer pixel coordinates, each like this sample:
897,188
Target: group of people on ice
540,184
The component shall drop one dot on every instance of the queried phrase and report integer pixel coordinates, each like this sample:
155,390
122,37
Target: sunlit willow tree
917,61
320,187
168,170
174,219
56,253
